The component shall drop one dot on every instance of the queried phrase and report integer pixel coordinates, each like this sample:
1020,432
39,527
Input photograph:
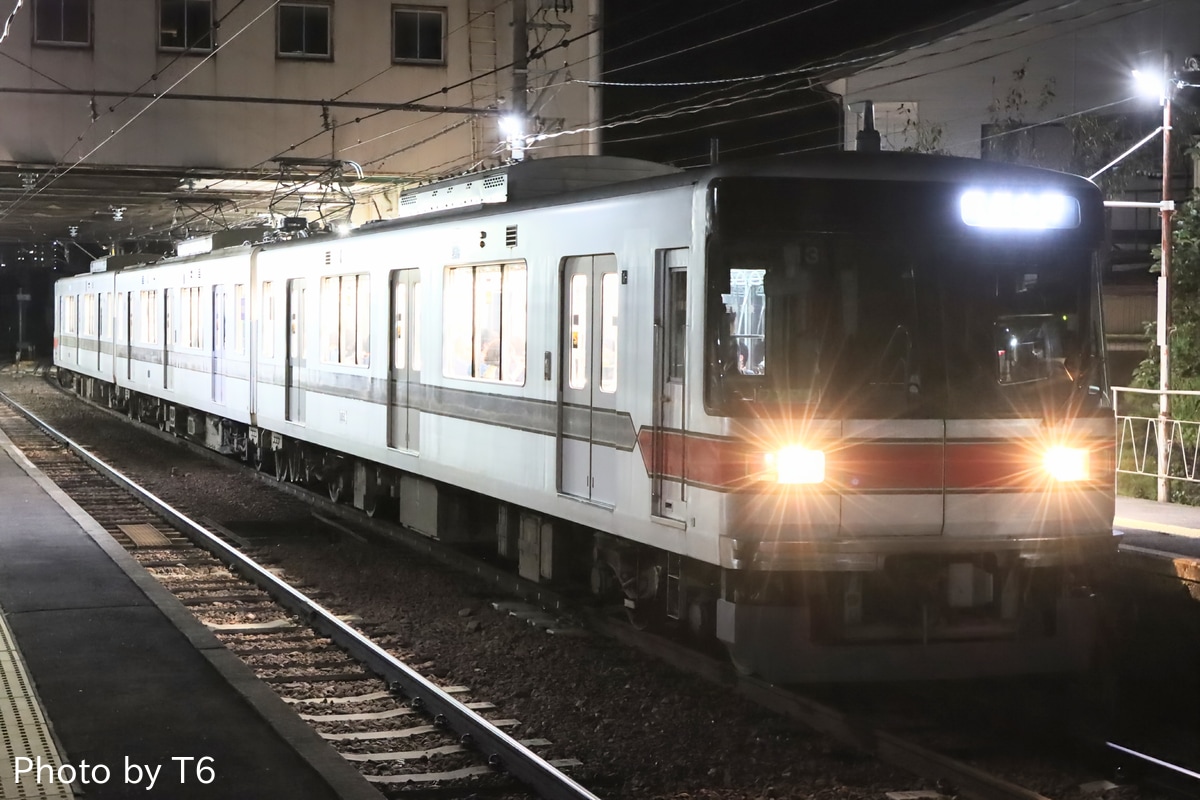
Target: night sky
699,40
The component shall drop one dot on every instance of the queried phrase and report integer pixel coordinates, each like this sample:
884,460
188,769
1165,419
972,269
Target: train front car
916,468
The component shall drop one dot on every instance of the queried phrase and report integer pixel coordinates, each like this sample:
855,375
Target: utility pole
596,73
1165,433
520,89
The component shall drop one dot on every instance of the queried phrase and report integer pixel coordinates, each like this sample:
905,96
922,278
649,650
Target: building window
62,22
304,30
417,34
185,24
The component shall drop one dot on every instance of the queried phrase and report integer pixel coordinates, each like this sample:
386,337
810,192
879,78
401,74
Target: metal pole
1164,298
596,73
520,100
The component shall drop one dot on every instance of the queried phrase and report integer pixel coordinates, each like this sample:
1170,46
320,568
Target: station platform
1161,539
104,670
1169,527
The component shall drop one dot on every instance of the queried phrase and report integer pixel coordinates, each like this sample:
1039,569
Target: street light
1163,86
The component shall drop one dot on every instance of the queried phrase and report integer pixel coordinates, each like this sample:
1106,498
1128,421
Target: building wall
1082,50
49,115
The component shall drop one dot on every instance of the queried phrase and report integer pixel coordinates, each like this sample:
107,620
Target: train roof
568,179
556,181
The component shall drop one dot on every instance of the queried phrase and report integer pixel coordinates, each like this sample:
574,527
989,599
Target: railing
1168,450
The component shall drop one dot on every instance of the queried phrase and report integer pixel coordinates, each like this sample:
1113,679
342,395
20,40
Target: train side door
588,373
294,364
218,344
404,372
668,453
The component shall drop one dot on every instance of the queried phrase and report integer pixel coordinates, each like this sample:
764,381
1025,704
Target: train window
484,323
362,318
346,320
416,327
89,315
748,304
239,320
185,319
487,322
577,374
514,302
267,332
677,325
105,312
189,317
68,314
608,332
295,322
399,305
149,315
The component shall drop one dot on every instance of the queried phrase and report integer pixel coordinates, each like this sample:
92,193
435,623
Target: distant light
512,126
342,227
1019,210
1150,84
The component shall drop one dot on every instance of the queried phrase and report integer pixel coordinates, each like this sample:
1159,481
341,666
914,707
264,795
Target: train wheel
336,485
743,664
296,470
372,503
643,617
281,466
702,617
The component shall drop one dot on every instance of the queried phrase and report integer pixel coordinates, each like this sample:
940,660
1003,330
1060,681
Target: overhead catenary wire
8,22
721,102
58,176
690,106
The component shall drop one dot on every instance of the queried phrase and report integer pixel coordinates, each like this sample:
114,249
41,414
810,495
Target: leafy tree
1185,303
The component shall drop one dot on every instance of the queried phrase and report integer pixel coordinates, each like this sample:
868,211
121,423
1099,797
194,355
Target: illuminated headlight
796,465
1027,210
1067,464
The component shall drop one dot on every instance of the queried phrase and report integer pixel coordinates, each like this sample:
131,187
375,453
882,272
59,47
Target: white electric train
848,414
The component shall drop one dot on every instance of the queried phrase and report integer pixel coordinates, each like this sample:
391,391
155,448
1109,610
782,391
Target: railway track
398,726
922,755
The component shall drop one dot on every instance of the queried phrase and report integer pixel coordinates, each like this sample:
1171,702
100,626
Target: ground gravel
642,729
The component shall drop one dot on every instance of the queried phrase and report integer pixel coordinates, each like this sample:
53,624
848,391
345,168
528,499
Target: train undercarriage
910,616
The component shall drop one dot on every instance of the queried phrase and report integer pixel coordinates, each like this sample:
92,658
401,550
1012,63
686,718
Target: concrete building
141,120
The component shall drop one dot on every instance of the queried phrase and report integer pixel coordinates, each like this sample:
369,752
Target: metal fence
1168,450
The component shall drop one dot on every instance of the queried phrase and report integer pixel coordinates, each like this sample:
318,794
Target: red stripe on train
865,466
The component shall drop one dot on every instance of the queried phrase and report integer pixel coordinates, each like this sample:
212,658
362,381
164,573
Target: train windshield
889,323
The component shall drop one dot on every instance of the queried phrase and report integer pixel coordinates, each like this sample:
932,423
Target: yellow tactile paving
23,730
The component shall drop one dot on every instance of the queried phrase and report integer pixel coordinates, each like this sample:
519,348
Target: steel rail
503,752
